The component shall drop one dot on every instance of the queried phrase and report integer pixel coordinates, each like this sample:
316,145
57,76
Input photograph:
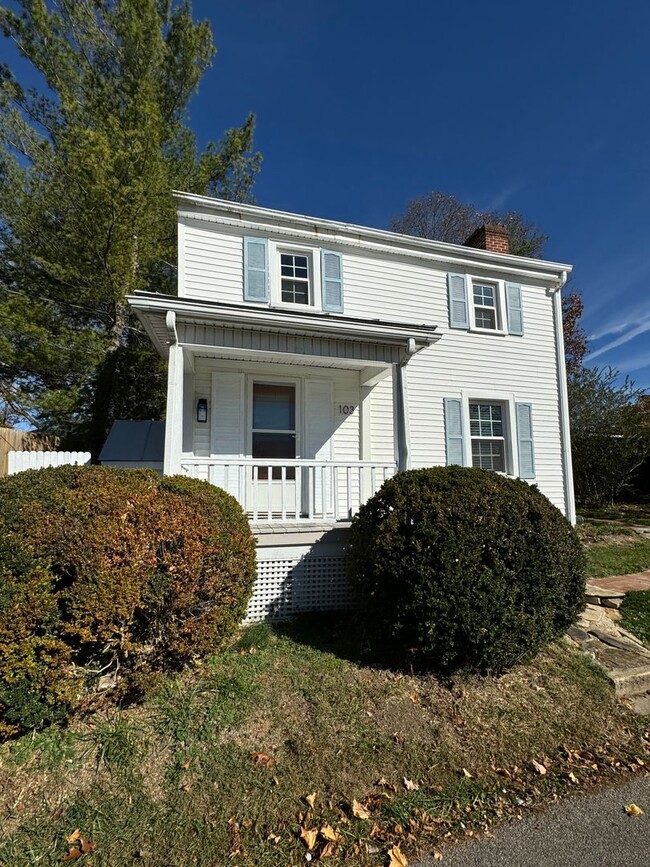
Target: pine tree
87,165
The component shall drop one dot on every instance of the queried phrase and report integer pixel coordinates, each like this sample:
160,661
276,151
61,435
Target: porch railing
280,490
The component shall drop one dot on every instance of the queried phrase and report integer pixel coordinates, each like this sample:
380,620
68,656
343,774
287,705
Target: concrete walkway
586,831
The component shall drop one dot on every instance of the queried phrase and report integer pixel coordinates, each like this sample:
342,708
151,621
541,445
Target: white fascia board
265,318
282,223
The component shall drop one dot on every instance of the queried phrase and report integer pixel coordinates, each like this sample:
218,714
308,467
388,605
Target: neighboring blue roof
137,441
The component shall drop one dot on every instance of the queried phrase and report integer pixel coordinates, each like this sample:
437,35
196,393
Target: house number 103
346,408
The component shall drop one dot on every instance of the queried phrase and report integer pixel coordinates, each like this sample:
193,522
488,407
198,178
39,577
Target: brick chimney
490,237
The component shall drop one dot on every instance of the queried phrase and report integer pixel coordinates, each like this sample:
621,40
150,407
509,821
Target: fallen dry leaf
410,786
573,777
311,799
467,774
633,810
72,855
261,759
539,767
87,846
308,836
74,836
328,850
437,855
384,782
328,833
359,810
396,858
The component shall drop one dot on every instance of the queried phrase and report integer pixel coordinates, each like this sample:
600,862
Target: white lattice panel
291,581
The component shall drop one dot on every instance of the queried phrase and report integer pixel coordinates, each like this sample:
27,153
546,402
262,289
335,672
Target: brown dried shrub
144,573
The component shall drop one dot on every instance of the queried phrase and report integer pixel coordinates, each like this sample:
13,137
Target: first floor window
294,272
486,427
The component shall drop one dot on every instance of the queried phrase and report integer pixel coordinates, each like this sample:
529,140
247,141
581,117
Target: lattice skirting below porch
296,579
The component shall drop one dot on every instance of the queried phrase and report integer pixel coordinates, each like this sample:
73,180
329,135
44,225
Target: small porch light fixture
202,410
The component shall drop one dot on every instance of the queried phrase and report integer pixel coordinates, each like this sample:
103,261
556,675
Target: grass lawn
636,614
285,742
625,513
613,549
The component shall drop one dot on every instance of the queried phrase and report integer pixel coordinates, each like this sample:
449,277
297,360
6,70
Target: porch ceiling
245,332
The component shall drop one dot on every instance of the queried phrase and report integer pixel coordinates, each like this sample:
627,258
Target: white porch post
174,416
400,410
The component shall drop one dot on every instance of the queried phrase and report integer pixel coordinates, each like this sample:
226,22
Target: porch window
274,426
486,429
294,268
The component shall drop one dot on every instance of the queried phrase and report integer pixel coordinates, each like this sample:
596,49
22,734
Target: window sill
494,331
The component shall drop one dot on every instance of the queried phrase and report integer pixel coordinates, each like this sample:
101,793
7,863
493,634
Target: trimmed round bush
463,569
113,572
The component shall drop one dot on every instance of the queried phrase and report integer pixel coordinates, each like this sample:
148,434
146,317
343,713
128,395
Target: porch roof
231,329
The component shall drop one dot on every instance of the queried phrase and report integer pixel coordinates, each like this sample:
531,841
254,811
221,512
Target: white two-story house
309,360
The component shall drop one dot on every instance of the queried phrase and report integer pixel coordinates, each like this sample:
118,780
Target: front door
274,437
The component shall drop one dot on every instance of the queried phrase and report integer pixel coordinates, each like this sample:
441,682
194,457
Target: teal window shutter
454,431
525,443
458,306
256,269
332,281
514,309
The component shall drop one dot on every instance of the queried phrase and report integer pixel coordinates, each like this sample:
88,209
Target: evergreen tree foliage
88,161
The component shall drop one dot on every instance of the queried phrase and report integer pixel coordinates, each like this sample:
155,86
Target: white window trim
275,276
500,293
507,400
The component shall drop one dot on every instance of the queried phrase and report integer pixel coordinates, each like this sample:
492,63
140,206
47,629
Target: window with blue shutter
514,309
256,269
332,281
454,431
525,442
458,306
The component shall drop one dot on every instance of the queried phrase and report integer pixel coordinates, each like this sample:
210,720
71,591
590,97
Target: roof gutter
282,223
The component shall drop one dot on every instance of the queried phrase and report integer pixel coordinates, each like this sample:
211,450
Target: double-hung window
486,307
295,278
487,434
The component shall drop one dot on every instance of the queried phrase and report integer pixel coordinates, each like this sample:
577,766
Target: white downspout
565,431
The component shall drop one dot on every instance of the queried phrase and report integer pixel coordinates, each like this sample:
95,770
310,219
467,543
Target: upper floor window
295,279
486,313
293,276
477,304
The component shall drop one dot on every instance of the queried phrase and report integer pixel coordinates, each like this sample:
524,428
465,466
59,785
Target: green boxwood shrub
458,568
112,571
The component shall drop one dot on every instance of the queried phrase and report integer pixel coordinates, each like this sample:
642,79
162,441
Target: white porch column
174,416
400,411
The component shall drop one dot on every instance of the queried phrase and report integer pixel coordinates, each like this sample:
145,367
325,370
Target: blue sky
541,108
537,107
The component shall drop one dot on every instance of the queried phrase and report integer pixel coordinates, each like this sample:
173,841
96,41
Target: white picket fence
19,461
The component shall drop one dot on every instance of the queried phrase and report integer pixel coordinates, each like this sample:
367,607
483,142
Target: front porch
300,417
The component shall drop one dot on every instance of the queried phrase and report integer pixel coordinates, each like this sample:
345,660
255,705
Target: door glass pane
274,408
274,445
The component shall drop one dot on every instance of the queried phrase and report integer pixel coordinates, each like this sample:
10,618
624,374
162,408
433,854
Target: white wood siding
211,263
345,391
406,289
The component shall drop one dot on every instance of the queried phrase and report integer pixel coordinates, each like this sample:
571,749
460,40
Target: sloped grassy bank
286,746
